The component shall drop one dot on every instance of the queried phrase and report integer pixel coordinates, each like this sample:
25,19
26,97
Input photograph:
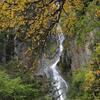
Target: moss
81,23
84,84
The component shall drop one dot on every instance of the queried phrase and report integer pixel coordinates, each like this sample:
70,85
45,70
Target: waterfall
59,85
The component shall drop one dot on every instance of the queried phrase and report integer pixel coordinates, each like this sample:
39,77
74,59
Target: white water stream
60,86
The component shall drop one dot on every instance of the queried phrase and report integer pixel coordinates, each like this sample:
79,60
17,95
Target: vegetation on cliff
25,26
79,19
16,84
85,80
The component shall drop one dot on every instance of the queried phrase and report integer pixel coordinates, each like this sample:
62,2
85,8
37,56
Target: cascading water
59,85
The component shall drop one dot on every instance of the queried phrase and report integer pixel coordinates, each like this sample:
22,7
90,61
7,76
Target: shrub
15,89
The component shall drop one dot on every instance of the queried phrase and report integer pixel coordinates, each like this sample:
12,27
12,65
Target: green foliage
18,85
15,89
92,80
76,91
87,23
80,17
85,81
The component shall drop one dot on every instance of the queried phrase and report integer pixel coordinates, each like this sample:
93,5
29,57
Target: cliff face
79,21
75,55
6,48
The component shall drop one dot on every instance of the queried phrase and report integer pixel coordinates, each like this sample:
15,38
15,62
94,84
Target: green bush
15,89
76,90
85,81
